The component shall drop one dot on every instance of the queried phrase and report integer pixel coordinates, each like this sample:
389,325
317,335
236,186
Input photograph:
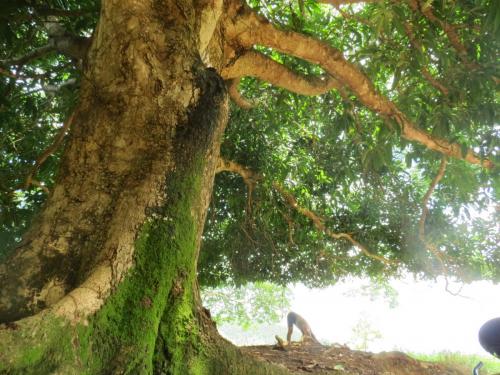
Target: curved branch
235,95
250,178
246,28
320,225
255,64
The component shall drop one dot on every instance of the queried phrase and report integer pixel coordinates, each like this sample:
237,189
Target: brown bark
141,85
232,87
255,64
112,258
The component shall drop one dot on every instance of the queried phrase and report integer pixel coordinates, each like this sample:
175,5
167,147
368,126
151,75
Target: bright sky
427,318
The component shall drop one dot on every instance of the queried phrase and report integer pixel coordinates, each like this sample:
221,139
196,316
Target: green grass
465,362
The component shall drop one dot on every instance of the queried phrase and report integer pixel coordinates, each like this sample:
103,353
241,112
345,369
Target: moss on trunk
130,202
152,322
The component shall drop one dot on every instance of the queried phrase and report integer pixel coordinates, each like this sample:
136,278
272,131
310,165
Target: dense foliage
338,159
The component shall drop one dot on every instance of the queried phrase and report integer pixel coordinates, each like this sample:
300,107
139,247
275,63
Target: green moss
37,346
148,325
124,333
122,336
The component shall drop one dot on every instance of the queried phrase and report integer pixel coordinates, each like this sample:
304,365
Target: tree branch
425,72
425,211
71,46
251,178
7,73
246,28
48,151
431,247
51,89
449,29
255,64
320,225
232,88
32,55
64,13
425,200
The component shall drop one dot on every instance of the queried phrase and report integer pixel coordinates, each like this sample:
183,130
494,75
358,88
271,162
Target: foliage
35,99
363,334
249,305
463,361
337,158
350,166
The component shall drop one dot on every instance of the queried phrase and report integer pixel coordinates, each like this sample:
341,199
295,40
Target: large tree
373,105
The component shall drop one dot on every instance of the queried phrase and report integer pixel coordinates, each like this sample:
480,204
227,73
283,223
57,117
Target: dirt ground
310,358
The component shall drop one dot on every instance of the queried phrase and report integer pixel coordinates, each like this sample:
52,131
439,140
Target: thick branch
7,73
258,65
235,95
247,28
63,12
55,88
72,46
425,200
250,178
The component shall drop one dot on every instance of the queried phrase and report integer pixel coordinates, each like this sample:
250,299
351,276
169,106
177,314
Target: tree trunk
105,280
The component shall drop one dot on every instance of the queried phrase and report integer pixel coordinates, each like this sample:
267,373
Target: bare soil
311,358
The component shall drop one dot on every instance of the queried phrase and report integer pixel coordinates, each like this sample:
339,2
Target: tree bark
105,280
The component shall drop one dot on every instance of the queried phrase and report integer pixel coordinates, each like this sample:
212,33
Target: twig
425,72
48,151
7,73
32,55
320,225
425,200
250,177
421,224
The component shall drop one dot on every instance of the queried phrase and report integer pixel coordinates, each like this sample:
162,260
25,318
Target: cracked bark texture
119,151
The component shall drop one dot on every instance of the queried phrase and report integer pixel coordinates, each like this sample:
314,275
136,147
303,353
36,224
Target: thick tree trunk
105,280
